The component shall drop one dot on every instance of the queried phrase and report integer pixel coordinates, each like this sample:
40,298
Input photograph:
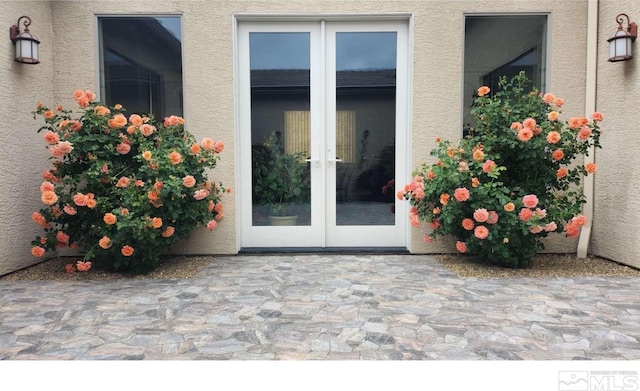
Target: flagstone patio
317,307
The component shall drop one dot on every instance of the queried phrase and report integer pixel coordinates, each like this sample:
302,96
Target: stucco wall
208,54
24,156
616,231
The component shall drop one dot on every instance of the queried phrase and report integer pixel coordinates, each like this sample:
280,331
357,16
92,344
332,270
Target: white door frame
323,232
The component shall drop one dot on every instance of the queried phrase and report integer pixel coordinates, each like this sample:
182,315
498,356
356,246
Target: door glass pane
365,127
280,128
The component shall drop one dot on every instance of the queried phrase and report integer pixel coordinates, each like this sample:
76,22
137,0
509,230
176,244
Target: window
141,64
497,46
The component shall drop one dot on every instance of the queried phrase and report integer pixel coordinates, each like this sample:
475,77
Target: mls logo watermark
598,381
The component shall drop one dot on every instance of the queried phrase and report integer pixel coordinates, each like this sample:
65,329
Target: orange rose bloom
529,123
147,130
478,155
525,134
557,154
135,120
118,121
561,173
75,125
123,148
101,110
218,146
49,114
575,122
62,237
83,266
468,224
51,138
444,199
475,182
47,186
598,117
175,157
188,181
91,203
553,116
585,133
48,197
510,207
123,182
590,167
168,232
207,144
110,218
80,199
39,218
146,155
105,242
127,251
481,232
553,137
153,195
37,251
484,90
195,149
156,222
516,126
548,98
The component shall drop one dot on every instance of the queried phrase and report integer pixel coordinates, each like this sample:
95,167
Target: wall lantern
26,44
620,41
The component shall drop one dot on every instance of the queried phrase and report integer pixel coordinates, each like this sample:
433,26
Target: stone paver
322,307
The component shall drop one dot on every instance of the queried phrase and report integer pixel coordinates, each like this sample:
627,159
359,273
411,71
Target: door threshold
323,250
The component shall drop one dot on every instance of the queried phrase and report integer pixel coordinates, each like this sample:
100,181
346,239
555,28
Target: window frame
544,53
99,52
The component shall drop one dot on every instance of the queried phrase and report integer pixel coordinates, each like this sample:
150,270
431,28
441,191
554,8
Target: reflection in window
141,64
297,133
498,46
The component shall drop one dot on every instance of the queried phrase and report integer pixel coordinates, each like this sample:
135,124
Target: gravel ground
53,269
544,265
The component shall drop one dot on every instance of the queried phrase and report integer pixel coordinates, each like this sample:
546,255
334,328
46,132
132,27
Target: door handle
315,152
334,159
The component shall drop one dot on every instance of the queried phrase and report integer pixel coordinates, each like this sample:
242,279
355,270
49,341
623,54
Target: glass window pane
365,127
498,46
141,65
280,128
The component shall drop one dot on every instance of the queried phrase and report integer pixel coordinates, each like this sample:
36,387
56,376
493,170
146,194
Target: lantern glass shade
620,48
27,49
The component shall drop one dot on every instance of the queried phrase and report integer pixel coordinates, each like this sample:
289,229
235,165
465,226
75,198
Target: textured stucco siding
616,231
24,156
70,61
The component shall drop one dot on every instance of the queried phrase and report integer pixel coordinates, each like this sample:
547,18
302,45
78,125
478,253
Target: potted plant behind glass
279,180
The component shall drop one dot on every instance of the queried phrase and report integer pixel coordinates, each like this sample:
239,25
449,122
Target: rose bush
122,189
511,181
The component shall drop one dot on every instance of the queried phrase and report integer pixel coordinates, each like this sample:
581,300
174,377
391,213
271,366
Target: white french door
323,109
